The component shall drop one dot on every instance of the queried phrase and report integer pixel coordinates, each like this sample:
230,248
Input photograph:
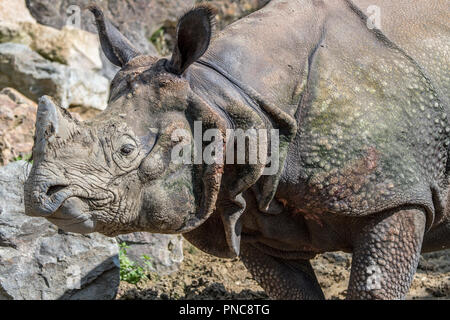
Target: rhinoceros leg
282,279
386,254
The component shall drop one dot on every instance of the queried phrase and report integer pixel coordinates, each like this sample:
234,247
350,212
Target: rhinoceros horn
54,125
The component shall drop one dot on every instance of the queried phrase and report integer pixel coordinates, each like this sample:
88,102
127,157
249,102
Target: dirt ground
204,277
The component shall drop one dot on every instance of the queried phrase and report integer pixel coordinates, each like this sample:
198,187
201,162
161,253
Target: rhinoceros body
361,105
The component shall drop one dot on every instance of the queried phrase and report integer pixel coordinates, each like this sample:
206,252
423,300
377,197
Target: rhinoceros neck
262,60
269,51
234,91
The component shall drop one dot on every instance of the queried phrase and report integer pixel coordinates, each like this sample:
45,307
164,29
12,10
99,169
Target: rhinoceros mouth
66,206
71,216
47,199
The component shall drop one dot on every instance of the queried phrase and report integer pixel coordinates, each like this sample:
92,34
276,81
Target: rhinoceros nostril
54,189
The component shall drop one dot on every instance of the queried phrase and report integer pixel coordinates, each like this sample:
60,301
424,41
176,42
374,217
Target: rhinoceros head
114,174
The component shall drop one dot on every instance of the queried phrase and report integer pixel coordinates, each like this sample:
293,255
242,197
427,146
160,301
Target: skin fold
362,117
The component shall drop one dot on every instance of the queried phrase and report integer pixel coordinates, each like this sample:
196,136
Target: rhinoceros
358,98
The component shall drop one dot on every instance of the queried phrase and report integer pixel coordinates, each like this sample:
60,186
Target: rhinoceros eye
126,149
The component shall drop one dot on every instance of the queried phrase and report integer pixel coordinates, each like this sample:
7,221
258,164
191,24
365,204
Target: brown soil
202,276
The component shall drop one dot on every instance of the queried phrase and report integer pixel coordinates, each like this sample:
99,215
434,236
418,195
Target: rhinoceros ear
116,47
194,31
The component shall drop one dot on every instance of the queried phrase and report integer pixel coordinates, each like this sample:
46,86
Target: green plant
129,271
147,261
159,41
192,250
27,158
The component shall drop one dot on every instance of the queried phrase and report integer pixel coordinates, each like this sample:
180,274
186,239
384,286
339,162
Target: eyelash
126,148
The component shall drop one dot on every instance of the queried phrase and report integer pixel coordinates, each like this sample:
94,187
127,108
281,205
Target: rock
13,32
38,261
84,88
83,113
14,11
34,76
165,251
79,84
70,46
17,118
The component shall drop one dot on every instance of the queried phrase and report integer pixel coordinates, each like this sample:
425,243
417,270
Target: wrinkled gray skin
364,141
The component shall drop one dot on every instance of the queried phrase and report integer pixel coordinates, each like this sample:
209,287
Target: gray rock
34,76
165,251
38,261
17,119
14,11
